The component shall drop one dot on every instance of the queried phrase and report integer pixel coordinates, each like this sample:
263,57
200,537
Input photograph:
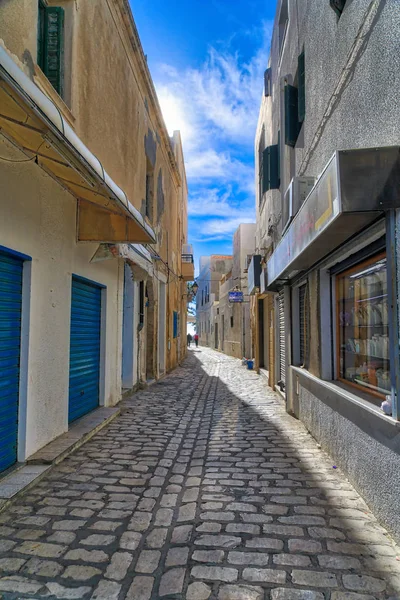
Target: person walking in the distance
189,339
196,339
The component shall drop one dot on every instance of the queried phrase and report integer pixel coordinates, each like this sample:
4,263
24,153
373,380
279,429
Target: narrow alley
203,488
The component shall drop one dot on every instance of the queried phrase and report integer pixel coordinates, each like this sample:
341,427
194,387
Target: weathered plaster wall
39,219
364,445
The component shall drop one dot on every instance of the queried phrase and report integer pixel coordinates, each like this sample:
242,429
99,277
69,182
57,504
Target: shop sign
235,296
318,211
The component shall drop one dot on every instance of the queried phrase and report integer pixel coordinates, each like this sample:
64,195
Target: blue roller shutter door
10,346
84,374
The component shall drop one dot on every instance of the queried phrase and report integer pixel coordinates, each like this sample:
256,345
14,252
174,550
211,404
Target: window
283,24
232,321
304,324
338,6
50,56
362,326
291,115
271,175
268,82
175,324
217,311
141,304
202,297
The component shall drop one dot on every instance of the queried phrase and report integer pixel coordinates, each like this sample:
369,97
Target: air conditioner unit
296,193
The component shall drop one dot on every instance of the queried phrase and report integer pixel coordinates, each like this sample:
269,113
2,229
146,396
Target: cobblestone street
203,488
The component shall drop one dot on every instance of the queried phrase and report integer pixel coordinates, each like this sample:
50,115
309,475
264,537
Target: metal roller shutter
84,368
10,345
282,347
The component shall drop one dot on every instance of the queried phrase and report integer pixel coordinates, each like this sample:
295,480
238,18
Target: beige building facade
93,224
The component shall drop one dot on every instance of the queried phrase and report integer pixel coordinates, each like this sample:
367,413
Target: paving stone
322,579
338,562
11,565
291,594
106,590
65,593
164,517
308,546
191,495
140,521
208,556
248,558
198,591
209,527
363,583
218,541
242,528
181,534
120,563
157,537
130,540
91,556
80,573
205,467
98,540
69,525
43,568
41,549
16,583
172,582
265,543
141,588
214,573
177,557
187,512
240,592
62,537
148,561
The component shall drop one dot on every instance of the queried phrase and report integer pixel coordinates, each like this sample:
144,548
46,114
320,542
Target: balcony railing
187,258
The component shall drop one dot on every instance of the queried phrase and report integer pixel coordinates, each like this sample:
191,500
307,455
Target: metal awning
355,188
135,254
33,122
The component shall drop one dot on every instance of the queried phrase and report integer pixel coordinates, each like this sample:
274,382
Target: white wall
38,218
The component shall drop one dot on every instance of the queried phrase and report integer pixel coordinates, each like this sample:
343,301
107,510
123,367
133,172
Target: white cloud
216,109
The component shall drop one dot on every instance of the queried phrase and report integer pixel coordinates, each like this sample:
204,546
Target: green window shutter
274,168
41,34
302,88
291,115
53,59
271,179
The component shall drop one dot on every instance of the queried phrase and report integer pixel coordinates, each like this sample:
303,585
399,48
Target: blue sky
207,60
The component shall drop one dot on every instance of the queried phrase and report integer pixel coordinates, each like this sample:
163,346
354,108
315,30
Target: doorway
162,323
216,336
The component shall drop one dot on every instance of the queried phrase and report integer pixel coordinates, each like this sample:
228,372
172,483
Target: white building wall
39,220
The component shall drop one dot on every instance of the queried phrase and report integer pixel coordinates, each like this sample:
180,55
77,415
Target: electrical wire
18,161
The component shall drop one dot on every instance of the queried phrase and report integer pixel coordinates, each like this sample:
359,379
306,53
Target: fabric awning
33,122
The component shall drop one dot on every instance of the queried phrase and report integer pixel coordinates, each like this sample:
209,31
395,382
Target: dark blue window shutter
175,324
291,115
302,88
271,168
266,163
53,48
338,6
267,83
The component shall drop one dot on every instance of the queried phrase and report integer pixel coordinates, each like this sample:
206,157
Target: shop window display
362,327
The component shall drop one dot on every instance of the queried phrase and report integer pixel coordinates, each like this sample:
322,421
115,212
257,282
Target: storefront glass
362,324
